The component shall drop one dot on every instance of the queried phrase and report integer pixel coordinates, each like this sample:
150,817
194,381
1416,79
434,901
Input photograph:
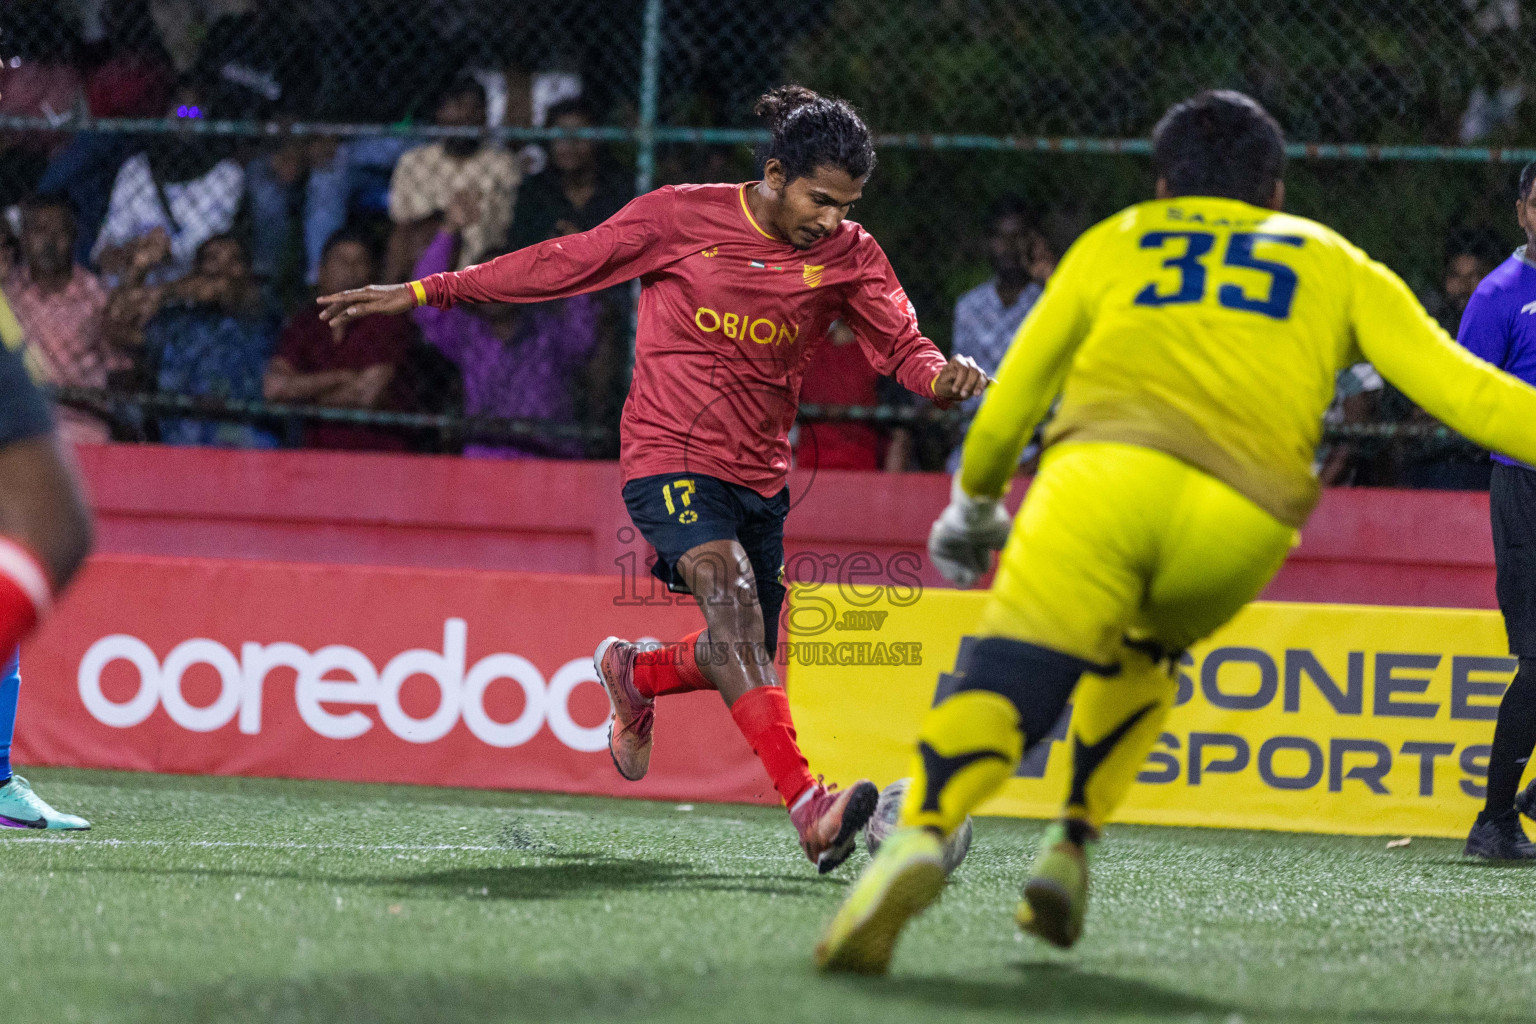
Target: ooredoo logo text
319,694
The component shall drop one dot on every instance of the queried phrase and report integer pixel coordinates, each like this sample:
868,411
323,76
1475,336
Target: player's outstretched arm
637,240
1475,398
885,324
342,308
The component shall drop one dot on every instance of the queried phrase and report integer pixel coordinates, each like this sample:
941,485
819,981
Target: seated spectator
518,361
258,63
578,191
352,367
183,184
61,307
428,177
988,316
345,179
133,78
210,333
265,61
839,374
1442,463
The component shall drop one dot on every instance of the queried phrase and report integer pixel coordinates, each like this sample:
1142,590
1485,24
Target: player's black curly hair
811,131
1219,143
1527,179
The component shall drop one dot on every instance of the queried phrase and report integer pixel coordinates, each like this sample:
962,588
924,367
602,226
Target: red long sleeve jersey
728,317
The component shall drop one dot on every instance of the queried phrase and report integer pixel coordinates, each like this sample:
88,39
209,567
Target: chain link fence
181,176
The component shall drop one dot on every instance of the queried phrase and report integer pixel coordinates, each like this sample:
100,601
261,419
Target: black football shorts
676,512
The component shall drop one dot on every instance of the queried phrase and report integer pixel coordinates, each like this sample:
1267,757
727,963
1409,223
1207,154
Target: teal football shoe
22,808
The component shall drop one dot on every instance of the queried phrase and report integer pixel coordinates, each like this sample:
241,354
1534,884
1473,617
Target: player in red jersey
738,282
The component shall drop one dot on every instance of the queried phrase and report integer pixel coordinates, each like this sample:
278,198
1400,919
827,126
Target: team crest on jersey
901,302
812,275
711,252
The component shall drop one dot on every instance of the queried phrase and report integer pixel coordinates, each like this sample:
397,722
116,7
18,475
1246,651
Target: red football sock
671,668
762,715
25,592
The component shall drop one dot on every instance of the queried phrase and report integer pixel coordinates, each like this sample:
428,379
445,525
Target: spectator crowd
186,263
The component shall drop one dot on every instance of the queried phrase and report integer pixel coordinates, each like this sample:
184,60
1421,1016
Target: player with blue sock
19,806
45,534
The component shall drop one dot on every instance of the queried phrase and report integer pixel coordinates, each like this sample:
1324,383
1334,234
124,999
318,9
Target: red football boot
629,733
829,821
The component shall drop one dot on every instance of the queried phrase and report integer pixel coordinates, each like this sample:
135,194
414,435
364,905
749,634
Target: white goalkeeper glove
962,540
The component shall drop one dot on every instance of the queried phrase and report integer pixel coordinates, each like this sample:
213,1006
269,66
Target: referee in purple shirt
1499,325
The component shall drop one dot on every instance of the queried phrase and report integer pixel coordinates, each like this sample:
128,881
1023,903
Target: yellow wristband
933,385
421,295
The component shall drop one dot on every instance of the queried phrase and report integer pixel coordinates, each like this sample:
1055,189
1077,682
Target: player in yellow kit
1194,341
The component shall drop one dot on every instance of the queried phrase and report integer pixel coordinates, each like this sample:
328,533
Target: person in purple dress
518,361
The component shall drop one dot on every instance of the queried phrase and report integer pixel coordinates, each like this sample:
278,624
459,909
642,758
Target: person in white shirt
184,185
428,177
988,316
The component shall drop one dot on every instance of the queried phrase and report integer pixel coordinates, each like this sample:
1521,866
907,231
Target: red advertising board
1363,545
433,676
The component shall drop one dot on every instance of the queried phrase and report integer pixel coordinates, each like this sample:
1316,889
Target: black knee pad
1037,681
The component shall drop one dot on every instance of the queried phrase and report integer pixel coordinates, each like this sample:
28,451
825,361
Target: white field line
203,844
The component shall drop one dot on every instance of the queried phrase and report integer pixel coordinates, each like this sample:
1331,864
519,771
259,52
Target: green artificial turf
198,899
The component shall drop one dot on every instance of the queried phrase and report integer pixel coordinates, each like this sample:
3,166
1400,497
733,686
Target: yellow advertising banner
1303,717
